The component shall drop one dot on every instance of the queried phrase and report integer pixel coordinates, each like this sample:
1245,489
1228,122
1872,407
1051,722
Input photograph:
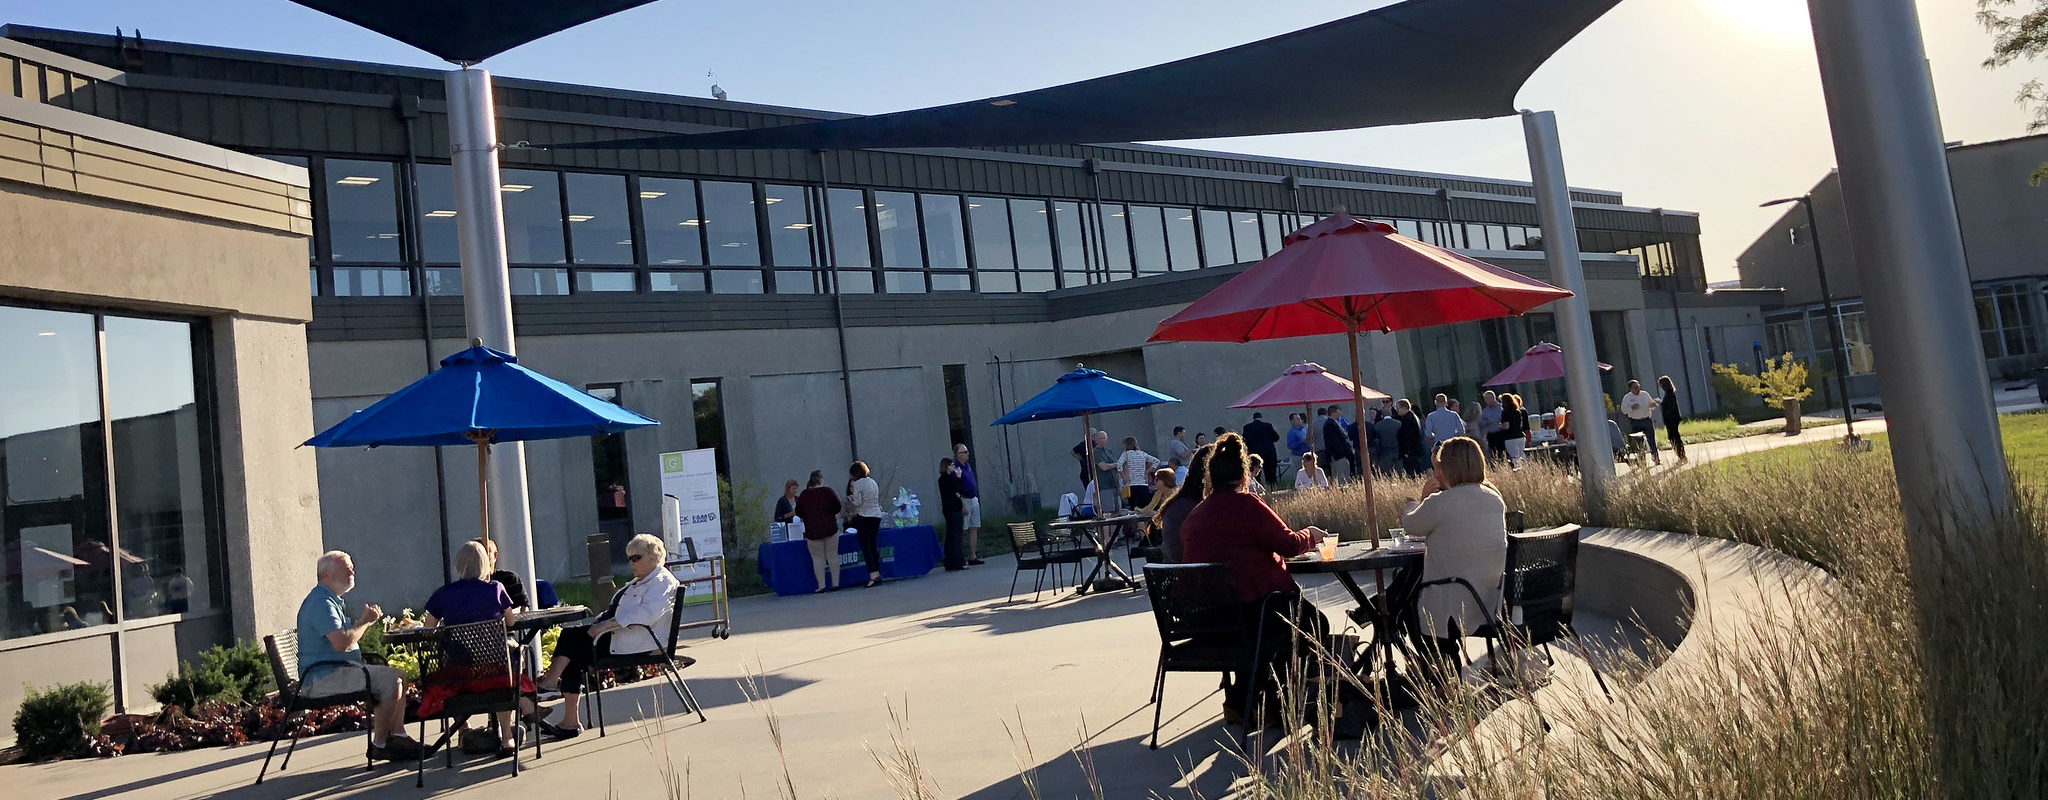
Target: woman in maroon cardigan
1233,526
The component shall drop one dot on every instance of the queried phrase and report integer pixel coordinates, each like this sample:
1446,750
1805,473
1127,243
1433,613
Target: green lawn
2026,449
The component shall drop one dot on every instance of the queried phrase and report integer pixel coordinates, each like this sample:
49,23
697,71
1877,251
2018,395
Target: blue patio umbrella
1079,394
480,396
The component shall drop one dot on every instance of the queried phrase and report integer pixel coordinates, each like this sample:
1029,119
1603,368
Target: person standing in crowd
1562,418
864,516
952,503
1201,440
1462,520
1260,436
1134,474
1388,430
1639,406
1353,444
1442,425
1671,419
1219,431
785,506
1177,448
1310,476
1104,467
1297,435
1336,445
1514,428
970,498
1489,424
819,507
1176,508
1252,482
1409,447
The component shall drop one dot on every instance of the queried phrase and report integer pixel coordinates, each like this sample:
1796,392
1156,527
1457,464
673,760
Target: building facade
2000,208
153,382
798,310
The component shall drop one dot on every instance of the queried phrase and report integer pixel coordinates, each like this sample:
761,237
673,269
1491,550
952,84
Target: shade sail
479,391
469,31
1304,384
1417,61
1542,362
1083,391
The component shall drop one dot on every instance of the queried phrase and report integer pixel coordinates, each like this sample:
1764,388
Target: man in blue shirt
1442,425
970,504
331,659
1297,435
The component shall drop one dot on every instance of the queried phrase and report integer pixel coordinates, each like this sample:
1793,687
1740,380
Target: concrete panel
148,657
798,425
44,666
270,487
387,523
896,436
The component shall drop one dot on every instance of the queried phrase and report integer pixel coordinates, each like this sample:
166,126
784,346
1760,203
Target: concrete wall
1723,330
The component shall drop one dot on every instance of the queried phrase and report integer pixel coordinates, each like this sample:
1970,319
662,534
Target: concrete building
800,310
153,382
2001,210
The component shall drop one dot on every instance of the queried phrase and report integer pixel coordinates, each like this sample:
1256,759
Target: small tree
1782,377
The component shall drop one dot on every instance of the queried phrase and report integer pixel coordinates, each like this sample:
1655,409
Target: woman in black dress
951,490
1670,405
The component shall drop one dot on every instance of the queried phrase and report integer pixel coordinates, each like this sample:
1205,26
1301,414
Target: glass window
607,280
789,227
668,214
903,282
990,217
372,282
1034,241
896,227
952,282
1180,238
1073,240
1275,229
533,217
1216,249
1116,241
849,217
158,469
1148,238
599,231
1517,237
730,227
999,281
1245,229
539,281
855,281
668,280
311,254
444,281
362,211
60,573
945,238
1034,282
438,242
736,281
799,281
1408,228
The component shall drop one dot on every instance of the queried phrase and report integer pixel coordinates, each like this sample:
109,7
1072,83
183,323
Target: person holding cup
1463,523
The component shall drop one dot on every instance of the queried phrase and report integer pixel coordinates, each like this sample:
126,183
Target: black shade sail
1417,61
469,31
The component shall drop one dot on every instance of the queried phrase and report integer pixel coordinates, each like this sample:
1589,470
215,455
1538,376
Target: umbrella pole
1095,478
483,488
1358,407
1308,421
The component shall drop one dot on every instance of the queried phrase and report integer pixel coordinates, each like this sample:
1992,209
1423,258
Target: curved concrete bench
1687,591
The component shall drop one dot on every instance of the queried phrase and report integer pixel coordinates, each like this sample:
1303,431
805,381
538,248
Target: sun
1775,19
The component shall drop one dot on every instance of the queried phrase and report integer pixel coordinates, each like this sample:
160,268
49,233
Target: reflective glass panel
539,281
1148,238
599,231
437,214
799,281
952,282
1031,226
999,282
945,237
1034,282
1216,249
664,280
668,215
52,463
855,281
1073,241
168,558
444,281
903,282
736,281
1275,229
849,220
1245,229
991,219
372,282
533,217
1116,240
1180,238
606,280
362,210
896,227
732,232
789,227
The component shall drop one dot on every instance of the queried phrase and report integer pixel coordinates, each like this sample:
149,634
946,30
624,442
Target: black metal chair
467,654
1539,587
1517,521
671,663
1201,630
1038,553
283,649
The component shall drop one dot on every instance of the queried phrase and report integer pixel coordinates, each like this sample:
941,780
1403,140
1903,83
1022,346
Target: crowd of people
819,514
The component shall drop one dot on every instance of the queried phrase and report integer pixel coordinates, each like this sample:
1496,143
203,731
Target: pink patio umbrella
1306,384
1541,363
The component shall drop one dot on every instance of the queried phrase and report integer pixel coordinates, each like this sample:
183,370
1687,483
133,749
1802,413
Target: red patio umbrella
1344,275
1306,384
1541,363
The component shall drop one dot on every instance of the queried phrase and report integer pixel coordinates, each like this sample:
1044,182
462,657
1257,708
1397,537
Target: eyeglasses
634,559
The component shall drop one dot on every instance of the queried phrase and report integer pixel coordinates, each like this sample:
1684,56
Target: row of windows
2005,320
1806,335
570,232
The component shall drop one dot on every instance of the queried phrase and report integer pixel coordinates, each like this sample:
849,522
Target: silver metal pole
487,294
1574,315
1916,287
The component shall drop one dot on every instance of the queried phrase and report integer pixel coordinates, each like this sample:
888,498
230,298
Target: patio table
525,627
1356,557
1107,575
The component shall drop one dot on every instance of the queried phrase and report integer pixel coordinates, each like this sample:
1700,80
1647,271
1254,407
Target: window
606,280
1181,244
1246,231
668,215
1116,241
311,253
443,281
1148,239
707,405
1216,248
668,280
372,282
2005,320
945,242
733,235
159,468
799,281
533,216
1856,339
896,227
436,190
994,255
539,281
362,211
599,231
1073,240
848,215
789,227
1275,229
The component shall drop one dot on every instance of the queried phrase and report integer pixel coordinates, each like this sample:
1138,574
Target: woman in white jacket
648,600
1463,523
864,516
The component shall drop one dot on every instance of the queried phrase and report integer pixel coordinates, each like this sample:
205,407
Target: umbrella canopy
1081,392
1540,363
484,394
469,31
1304,384
1345,273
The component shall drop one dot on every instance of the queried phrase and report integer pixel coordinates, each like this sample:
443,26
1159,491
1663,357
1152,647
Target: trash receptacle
1792,420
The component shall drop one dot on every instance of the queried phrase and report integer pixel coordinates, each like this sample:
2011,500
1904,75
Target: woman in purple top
471,598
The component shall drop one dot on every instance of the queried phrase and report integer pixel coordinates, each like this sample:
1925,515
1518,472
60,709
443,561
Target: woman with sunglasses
647,600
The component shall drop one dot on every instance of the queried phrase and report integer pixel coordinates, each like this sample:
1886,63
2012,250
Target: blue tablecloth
906,553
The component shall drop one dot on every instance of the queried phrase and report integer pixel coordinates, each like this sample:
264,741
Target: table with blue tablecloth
906,553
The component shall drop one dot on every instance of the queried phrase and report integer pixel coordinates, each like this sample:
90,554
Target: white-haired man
331,660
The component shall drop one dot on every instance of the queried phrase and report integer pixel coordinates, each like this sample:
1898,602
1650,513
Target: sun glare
1776,19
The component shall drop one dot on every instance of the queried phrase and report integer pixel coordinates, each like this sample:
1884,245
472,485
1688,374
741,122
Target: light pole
1827,304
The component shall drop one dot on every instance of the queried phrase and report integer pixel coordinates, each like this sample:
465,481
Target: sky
1711,106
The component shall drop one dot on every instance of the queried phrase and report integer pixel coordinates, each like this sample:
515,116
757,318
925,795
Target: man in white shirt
1443,424
1637,405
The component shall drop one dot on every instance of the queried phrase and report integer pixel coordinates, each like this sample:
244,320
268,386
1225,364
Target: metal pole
1916,286
486,293
1372,511
1835,334
1574,315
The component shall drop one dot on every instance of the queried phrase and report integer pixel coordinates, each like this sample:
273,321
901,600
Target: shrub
237,675
57,721
1782,377
247,664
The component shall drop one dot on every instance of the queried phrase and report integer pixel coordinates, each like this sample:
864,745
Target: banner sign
689,505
